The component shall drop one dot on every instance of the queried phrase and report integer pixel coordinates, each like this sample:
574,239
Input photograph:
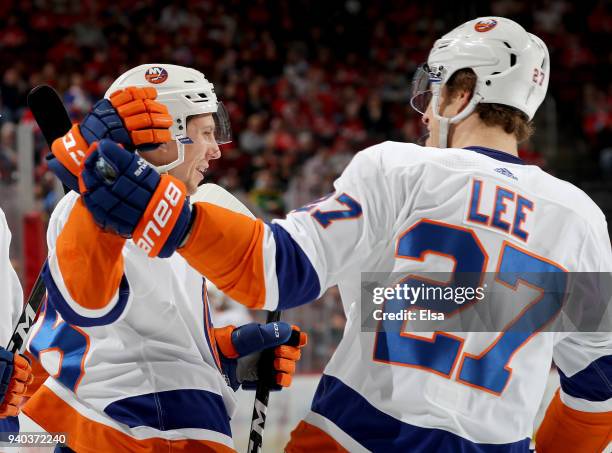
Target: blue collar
496,154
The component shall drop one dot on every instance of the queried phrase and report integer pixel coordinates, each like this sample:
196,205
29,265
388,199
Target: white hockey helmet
512,68
185,92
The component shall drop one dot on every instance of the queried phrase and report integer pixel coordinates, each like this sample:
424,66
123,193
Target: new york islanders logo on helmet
156,74
485,25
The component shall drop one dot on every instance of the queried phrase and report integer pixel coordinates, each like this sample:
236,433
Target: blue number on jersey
516,265
439,354
70,342
489,371
325,218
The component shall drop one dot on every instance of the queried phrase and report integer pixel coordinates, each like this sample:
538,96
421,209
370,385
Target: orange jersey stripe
82,260
227,248
308,438
88,436
571,431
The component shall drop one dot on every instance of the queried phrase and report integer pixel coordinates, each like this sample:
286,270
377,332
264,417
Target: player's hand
126,195
240,351
15,376
131,117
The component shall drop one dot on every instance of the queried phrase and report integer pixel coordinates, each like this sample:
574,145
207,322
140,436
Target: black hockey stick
53,120
262,394
265,382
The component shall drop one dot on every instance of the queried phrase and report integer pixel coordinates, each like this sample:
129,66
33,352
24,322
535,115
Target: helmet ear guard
186,92
511,67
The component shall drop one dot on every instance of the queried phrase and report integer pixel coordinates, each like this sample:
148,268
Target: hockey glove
15,376
126,195
240,350
131,117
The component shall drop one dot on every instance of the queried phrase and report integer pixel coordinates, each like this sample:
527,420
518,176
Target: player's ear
161,155
462,98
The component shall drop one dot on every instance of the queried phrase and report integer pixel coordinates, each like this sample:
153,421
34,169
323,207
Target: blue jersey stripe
594,383
379,432
496,154
298,282
208,327
8,425
173,409
60,304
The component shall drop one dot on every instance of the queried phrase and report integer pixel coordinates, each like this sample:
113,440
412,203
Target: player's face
432,125
201,130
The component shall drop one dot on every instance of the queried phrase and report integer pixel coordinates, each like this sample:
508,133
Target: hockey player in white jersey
15,370
465,202
135,363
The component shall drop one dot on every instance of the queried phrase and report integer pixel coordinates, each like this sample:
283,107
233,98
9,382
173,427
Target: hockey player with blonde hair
135,363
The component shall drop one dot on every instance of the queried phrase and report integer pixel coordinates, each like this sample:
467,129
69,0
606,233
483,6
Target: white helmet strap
444,122
181,141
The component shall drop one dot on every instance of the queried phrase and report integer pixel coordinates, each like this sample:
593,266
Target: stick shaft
262,395
54,121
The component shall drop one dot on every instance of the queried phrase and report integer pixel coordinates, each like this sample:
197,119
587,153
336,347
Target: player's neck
477,134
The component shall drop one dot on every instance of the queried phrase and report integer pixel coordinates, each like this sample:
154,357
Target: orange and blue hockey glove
127,196
131,117
15,376
240,350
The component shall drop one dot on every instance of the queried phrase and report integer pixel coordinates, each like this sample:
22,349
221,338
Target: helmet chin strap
444,122
181,141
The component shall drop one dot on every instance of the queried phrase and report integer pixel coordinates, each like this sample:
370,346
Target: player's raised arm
84,280
84,275
292,260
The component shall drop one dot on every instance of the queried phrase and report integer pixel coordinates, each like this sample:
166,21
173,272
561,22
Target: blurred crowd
307,83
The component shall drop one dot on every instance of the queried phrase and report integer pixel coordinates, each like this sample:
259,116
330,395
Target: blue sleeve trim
378,431
179,231
173,409
594,383
8,425
57,301
64,175
298,283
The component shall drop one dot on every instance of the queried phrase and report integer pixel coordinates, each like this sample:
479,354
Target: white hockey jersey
405,208
11,293
140,374
11,303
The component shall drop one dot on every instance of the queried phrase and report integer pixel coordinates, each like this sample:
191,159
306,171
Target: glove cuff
65,176
223,338
167,214
71,150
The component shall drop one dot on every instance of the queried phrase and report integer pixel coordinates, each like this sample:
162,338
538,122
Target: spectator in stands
8,153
